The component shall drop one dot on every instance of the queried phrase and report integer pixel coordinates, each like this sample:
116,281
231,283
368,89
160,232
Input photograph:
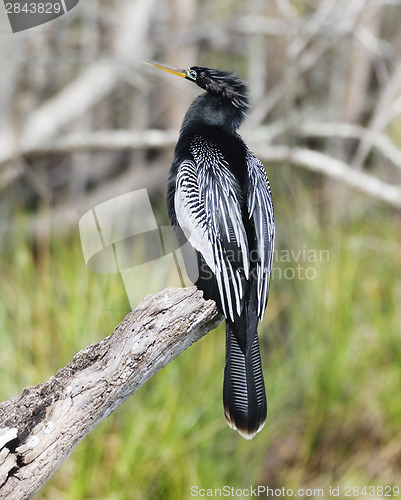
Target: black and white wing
260,210
207,203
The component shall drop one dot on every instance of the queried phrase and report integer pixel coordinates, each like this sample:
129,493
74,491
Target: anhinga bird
218,193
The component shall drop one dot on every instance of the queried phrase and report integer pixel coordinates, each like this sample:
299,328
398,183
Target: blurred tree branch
39,429
257,140
336,169
116,140
385,110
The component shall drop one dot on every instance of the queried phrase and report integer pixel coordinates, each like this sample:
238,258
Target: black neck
207,110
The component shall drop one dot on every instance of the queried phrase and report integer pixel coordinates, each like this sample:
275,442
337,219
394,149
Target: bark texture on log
39,429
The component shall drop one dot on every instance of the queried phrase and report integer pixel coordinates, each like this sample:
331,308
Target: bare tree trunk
39,429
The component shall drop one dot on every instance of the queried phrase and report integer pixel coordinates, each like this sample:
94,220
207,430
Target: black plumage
219,195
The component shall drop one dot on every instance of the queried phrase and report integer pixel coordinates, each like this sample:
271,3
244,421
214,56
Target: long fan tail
244,396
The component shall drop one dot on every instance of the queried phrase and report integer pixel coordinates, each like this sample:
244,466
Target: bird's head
225,86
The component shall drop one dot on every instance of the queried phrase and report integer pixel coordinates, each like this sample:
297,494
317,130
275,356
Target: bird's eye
192,74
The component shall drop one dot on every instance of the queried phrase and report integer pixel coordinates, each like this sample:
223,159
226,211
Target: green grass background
330,346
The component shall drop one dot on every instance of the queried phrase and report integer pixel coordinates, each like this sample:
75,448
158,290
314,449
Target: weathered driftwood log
39,429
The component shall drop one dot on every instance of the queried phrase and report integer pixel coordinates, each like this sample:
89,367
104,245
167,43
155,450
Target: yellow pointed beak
169,69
